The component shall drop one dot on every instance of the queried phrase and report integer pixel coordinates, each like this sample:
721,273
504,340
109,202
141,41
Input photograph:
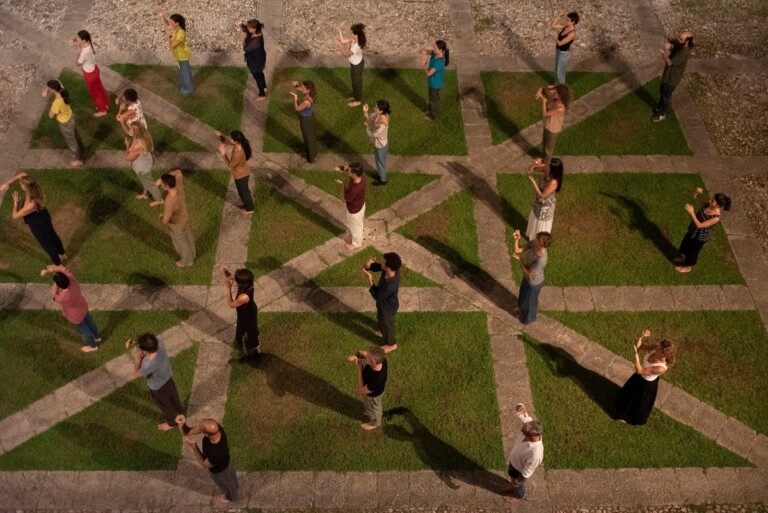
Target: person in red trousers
86,57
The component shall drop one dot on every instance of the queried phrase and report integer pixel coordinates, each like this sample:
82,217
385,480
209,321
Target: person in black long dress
36,216
255,54
634,402
247,331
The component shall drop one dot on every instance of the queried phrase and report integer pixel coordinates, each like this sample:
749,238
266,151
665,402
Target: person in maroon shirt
66,292
353,196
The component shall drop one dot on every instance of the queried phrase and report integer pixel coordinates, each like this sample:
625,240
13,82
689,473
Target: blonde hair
143,136
32,191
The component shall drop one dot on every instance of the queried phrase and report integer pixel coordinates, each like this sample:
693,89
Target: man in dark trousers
675,54
371,366
151,361
385,294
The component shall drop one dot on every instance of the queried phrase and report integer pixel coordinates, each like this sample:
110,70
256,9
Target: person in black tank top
247,331
563,33
699,229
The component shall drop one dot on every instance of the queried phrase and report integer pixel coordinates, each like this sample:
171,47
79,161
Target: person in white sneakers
526,454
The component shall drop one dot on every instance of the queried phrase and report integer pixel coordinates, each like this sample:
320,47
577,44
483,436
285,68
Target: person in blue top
434,62
385,294
306,111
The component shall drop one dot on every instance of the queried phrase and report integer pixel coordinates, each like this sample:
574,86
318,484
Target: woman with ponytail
434,62
700,228
255,54
176,26
62,111
352,49
238,165
86,57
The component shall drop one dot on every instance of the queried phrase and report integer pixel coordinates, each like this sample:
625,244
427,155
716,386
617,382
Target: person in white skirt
547,187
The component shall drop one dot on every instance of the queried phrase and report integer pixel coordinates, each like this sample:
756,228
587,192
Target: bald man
213,456
675,54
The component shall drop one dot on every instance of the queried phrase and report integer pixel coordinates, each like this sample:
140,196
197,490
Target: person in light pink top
66,292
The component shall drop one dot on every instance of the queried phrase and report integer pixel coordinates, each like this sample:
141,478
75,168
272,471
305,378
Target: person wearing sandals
62,111
634,402
306,110
555,100
434,62
532,260
352,49
255,54
247,330
550,183
176,25
377,129
138,151
238,165
36,216
86,57
66,293
700,228
564,33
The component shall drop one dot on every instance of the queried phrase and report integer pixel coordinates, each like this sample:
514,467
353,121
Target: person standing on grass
176,25
532,262
675,54
385,295
306,111
36,216
129,110
353,197
86,57
371,366
247,331
66,292
352,49
62,111
434,62
543,211
238,165
555,100
700,228
175,216
255,54
150,361
214,455
564,34
377,129
138,151
527,453
634,402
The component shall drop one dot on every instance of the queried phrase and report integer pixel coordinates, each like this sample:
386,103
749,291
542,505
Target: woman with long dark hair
700,228
86,57
176,26
238,165
434,62
247,330
377,129
306,111
547,187
62,111
352,49
255,54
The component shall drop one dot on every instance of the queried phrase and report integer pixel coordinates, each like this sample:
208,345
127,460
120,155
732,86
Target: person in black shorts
371,368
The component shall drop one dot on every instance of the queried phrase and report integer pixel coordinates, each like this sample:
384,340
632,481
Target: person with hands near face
176,217
86,57
247,330
547,187
352,194
385,295
352,49
138,151
526,455
176,27
434,62
252,35
377,130
306,111
675,53
563,34
66,293
62,111
700,228
150,361
532,260
238,165
371,367
555,100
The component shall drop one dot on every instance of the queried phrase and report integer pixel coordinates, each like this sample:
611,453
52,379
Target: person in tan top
176,218
555,100
237,160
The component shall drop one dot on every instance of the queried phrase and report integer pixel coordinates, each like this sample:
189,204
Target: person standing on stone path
36,216
564,33
532,260
306,110
634,402
385,295
129,110
237,162
547,187
247,331
352,49
86,57
434,62
675,54
555,100
150,361
66,293
526,454
62,111
377,130
255,54
213,456
700,228
353,196
175,216
176,25
371,366
138,151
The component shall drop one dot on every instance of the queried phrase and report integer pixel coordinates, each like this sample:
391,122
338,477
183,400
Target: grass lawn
509,97
102,133
625,128
399,185
340,128
620,229
448,230
117,433
722,358
218,96
110,236
446,415
572,403
286,232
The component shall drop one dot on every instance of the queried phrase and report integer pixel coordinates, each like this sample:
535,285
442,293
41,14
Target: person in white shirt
352,49
86,57
377,129
527,453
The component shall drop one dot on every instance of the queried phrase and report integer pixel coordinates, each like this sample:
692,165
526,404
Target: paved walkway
490,290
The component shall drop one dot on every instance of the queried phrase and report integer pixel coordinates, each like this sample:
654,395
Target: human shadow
348,318
636,219
607,50
280,133
332,142
392,77
329,77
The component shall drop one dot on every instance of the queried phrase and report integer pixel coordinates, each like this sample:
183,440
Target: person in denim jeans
526,454
66,292
675,54
564,34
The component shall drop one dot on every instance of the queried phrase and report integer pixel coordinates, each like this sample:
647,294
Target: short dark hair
377,354
383,106
148,342
169,180
61,280
131,95
723,200
356,168
574,17
392,261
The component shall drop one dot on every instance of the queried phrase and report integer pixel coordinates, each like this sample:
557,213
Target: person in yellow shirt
176,26
62,111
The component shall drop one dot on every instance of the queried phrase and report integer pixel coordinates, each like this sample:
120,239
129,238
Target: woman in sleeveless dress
247,331
306,110
634,402
547,187
700,228
563,33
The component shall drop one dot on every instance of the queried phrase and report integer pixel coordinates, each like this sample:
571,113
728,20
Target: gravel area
14,81
733,107
131,24
506,27
755,187
392,27
9,42
47,14
704,508
732,28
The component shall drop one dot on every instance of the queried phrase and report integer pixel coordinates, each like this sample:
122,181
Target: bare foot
155,203
389,348
351,246
622,421
246,212
180,264
353,104
99,114
683,269
510,499
88,349
222,499
142,196
368,427
76,163
260,98
165,426
378,334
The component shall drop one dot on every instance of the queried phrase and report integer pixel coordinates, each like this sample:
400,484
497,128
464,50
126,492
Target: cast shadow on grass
607,49
635,218
333,143
282,135
393,78
354,322
343,88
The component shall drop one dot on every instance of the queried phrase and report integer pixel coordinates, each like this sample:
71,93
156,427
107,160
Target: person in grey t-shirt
532,262
151,361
